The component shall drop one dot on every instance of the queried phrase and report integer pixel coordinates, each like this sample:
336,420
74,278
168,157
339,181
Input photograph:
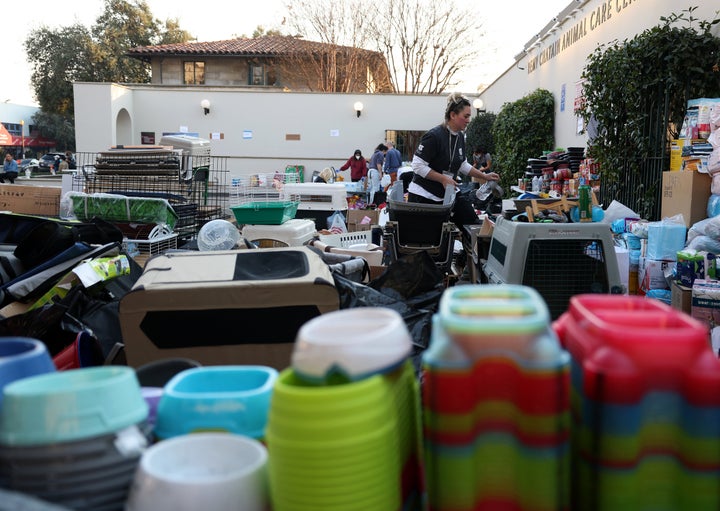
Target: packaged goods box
686,193
30,200
362,219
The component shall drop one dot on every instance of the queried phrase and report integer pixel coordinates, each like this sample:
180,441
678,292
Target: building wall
262,131
218,71
556,62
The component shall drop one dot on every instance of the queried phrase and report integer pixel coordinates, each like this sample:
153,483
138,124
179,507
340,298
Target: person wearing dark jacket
357,165
440,157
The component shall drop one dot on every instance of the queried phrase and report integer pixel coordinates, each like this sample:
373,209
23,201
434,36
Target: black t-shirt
444,152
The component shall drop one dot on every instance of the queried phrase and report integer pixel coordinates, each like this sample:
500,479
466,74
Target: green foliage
523,129
637,92
61,56
479,133
56,126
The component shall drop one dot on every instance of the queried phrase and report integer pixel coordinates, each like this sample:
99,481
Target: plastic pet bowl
71,405
21,357
233,399
201,471
351,344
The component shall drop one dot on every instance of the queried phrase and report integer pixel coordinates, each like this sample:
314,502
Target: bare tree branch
425,43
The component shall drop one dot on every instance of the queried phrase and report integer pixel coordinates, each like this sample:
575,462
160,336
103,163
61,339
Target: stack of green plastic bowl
352,443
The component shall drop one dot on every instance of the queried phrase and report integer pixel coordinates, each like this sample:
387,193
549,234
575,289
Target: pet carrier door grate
558,260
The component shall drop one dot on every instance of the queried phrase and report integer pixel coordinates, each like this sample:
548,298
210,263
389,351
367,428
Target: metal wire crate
258,188
143,249
198,199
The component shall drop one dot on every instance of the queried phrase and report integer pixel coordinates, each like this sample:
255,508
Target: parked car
49,161
30,164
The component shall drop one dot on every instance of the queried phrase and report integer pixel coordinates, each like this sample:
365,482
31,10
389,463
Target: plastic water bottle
536,184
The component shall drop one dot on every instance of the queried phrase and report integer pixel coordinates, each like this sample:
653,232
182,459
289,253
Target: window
257,74
194,73
13,129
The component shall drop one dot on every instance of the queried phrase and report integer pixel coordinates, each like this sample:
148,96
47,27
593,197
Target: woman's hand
448,180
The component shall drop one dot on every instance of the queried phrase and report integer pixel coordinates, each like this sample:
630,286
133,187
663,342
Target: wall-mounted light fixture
358,106
479,105
205,104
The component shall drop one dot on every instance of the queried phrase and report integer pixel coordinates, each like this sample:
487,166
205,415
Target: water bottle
536,184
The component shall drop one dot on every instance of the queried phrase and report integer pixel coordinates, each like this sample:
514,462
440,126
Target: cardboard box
654,274
30,200
685,193
225,307
706,307
362,219
681,298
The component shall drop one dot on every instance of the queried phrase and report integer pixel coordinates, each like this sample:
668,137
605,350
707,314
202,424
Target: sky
213,20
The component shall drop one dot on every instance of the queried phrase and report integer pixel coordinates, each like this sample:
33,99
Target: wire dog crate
263,199
197,195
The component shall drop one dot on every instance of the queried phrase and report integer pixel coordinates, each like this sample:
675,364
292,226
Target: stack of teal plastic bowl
231,399
73,438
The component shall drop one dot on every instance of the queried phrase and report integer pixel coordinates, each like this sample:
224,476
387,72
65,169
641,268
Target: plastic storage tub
265,213
294,233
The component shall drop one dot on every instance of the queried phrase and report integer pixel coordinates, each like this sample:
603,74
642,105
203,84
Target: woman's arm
422,168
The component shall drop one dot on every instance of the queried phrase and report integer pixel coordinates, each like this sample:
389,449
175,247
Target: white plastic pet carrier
558,260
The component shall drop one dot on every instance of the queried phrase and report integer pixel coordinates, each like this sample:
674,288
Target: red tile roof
259,46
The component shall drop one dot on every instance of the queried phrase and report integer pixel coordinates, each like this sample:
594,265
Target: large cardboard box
225,307
685,192
30,200
362,219
681,298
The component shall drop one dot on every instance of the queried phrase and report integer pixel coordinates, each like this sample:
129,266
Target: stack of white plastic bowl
73,438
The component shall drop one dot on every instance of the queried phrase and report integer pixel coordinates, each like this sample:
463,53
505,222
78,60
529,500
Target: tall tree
425,43
343,62
75,53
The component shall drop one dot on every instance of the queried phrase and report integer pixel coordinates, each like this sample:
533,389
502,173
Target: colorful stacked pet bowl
646,406
343,433
495,403
233,399
73,438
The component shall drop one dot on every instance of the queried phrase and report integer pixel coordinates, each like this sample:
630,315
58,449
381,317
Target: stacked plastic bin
646,406
495,403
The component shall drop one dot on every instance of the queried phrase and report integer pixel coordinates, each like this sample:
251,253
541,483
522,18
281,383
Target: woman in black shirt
441,156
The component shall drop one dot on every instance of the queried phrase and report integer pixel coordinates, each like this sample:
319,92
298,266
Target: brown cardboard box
356,216
225,307
681,298
30,200
686,193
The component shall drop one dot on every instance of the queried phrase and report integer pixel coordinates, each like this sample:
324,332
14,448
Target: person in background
375,172
63,164
378,158
481,161
393,161
72,165
439,158
357,165
10,169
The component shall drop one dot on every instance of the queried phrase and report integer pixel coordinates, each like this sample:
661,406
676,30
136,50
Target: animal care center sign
607,11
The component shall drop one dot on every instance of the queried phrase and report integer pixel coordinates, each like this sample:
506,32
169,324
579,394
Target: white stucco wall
557,61
256,128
